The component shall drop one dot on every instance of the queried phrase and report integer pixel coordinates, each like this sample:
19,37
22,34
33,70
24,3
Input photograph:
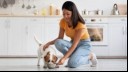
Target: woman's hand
61,61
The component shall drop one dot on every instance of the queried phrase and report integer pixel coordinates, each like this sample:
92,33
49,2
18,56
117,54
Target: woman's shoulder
80,25
62,23
62,20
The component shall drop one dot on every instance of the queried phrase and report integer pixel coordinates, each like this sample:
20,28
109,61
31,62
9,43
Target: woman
78,50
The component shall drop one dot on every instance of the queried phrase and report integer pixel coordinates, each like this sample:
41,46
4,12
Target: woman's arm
78,34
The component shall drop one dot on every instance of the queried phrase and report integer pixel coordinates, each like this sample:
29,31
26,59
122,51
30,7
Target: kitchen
22,19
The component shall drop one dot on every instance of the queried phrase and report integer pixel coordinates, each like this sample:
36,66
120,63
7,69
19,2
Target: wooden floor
29,64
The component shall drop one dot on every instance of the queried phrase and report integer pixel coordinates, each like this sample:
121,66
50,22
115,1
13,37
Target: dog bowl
51,66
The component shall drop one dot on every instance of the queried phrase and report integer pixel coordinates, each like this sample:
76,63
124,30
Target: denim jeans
80,55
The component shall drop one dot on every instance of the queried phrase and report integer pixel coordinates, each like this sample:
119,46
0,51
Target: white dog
49,55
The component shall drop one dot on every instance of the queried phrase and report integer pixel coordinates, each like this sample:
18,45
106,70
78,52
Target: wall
105,5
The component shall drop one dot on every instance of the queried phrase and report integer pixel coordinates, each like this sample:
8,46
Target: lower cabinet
117,38
51,28
35,26
17,36
3,36
17,39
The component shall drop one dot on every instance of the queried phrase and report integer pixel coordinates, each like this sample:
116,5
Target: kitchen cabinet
12,38
17,36
3,35
51,28
35,26
117,37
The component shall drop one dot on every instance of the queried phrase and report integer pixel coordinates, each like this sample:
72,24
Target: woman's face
67,15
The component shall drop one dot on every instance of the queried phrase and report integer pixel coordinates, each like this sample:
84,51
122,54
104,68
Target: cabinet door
51,28
116,40
35,26
17,39
3,36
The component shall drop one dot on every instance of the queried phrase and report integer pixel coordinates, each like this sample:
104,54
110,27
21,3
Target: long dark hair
69,5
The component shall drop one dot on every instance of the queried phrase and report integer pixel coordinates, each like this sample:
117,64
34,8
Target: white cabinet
17,35
17,39
3,36
35,26
51,28
117,37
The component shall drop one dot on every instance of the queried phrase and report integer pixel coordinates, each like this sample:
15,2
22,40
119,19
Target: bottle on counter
51,9
57,11
43,12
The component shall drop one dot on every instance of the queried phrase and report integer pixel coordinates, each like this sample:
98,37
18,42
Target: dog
49,55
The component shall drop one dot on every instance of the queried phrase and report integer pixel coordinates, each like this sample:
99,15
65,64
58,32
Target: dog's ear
47,57
55,58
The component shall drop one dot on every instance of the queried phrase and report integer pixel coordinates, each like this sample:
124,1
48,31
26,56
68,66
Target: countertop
61,16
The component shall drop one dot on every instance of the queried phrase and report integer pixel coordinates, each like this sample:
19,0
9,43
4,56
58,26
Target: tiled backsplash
19,9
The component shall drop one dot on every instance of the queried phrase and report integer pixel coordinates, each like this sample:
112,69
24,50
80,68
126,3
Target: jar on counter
57,11
36,12
99,12
85,12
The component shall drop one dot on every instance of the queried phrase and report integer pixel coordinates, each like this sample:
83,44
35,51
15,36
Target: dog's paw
38,65
56,66
44,66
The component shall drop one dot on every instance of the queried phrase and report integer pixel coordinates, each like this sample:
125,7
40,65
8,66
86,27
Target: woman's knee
58,42
72,63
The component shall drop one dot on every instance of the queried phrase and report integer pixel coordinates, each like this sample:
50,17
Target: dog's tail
37,40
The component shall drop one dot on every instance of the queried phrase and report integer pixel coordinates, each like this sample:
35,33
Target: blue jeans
81,54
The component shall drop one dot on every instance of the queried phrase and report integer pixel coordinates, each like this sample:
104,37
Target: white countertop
87,16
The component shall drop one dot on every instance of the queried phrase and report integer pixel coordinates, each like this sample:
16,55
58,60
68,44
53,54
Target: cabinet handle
124,30
7,24
123,19
93,20
33,19
26,30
